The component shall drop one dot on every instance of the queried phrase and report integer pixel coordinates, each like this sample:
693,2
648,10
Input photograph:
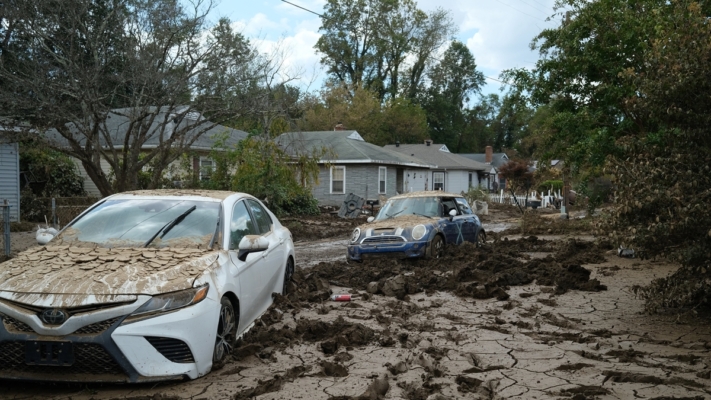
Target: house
356,166
453,173
9,174
179,119
494,161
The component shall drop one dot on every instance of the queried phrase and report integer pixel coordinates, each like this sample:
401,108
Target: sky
498,32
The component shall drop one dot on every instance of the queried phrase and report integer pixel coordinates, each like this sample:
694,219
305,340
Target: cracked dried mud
544,317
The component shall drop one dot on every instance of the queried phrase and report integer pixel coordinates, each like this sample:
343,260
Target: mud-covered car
143,286
416,224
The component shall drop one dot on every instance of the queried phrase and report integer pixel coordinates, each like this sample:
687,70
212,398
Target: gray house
358,167
493,161
453,173
193,125
10,175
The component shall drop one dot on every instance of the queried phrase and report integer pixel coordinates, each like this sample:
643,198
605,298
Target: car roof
426,193
195,193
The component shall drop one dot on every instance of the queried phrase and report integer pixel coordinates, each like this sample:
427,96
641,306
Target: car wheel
480,238
437,247
288,274
226,333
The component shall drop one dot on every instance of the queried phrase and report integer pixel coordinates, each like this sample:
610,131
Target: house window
438,181
382,179
207,167
470,179
338,179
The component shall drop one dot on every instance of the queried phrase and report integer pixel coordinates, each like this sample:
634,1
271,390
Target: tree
68,66
452,82
367,43
626,87
396,120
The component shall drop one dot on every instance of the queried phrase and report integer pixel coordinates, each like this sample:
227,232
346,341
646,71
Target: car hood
102,272
403,222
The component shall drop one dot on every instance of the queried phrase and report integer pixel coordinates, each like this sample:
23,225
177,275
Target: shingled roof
349,147
439,155
118,121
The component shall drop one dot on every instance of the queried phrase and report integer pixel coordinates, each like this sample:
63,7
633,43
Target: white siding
457,181
10,178
89,186
414,180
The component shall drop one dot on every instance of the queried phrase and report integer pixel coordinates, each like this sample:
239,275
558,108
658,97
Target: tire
226,333
436,247
480,238
288,274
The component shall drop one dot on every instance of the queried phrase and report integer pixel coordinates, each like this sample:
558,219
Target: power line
305,9
522,12
532,6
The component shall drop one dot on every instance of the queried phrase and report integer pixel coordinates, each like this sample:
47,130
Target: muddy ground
546,316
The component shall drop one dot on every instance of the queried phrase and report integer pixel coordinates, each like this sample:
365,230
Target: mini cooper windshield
422,206
135,223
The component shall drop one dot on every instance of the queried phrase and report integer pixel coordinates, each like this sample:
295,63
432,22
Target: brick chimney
428,142
489,154
339,127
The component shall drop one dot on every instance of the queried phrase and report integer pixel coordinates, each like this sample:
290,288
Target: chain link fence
56,211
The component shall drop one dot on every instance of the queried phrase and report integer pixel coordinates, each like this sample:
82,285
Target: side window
448,205
264,222
241,225
464,206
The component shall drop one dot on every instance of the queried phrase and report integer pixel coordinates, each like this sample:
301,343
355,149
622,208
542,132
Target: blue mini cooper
416,224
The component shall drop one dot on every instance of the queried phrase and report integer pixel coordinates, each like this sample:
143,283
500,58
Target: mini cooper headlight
418,232
173,301
355,235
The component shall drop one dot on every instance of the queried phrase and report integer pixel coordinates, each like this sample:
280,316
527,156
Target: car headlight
418,232
355,235
173,301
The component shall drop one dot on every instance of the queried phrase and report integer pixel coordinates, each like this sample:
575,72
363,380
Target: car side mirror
370,219
452,213
251,244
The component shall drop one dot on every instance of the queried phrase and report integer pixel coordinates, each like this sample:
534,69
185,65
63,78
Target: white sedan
143,286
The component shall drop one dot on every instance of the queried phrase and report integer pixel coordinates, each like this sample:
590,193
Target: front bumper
412,249
169,346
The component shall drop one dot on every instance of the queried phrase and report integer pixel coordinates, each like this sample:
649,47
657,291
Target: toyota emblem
53,316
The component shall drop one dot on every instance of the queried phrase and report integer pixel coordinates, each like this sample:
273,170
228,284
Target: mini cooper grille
89,359
13,325
384,239
97,327
173,349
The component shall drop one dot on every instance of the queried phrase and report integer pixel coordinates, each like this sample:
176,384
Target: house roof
497,159
165,122
349,147
439,155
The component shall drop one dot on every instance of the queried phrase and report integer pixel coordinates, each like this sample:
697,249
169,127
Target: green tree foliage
266,171
453,81
381,45
626,86
378,123
51,173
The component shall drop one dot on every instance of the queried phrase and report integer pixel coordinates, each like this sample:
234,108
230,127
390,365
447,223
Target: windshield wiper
391,216
167,227
422,215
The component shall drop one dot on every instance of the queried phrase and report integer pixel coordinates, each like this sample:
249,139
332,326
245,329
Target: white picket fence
507,198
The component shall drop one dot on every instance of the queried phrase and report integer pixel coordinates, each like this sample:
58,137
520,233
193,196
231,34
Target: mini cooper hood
64,270
405,221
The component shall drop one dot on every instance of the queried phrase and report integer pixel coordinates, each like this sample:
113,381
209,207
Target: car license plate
49,353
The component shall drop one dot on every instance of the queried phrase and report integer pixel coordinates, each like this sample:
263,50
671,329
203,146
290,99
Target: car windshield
422,206
132,222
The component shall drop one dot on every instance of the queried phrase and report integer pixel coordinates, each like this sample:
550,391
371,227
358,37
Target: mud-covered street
548,316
